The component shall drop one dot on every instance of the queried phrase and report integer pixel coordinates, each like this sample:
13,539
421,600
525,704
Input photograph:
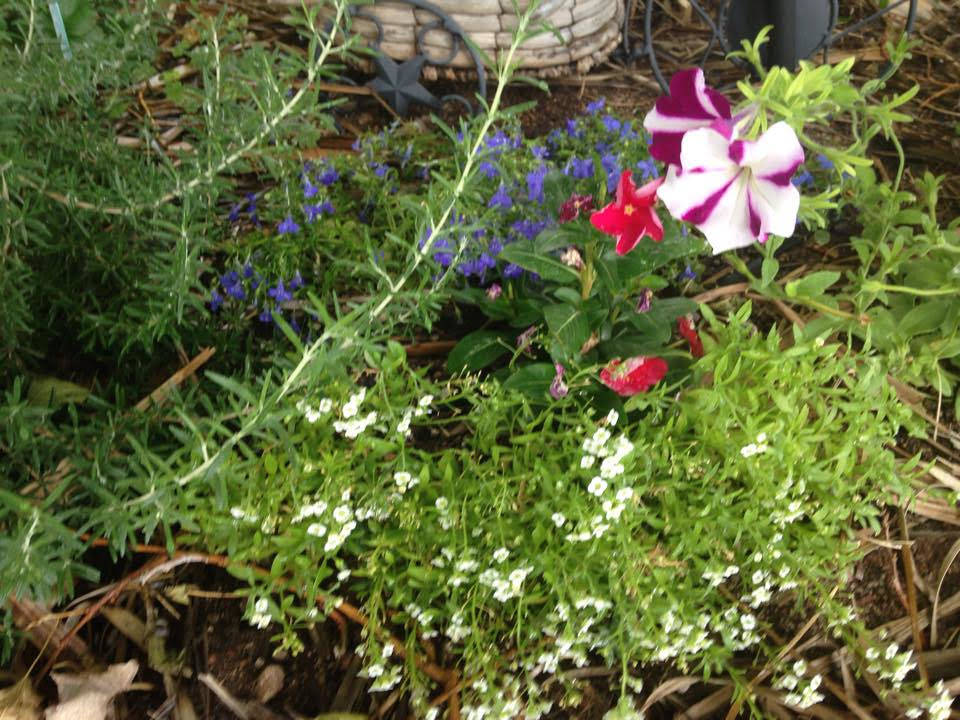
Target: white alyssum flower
597,486
404,480
352,406
238,513
587,461
500,555
760,446
558,519
442,504
611,468
612,417
342,514
354,428
403,427
261,613
625,494
317,529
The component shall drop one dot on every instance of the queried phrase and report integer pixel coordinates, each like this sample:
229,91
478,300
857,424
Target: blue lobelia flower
317,210
512,271
488,169
501,199
648,169
280,293
529,228
596,106
580,169
611,166
309,189
611,124
216,300
329,176
803,178
288,226
535,184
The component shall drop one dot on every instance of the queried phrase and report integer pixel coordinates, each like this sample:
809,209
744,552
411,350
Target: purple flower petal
690,105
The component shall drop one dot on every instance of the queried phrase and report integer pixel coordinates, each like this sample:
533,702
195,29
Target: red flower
631,215
685,327
635,375
572,208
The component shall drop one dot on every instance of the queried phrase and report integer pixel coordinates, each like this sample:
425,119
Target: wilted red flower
634,375
572,208
631,215
685,327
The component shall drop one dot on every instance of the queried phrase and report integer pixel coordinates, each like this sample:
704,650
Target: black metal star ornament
399,84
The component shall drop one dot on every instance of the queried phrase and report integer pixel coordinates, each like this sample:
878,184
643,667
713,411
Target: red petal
685,327
610,220
627,241
646,195
625,189
643,372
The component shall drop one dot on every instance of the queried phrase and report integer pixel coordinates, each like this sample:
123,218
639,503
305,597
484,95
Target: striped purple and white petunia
690,105
735,191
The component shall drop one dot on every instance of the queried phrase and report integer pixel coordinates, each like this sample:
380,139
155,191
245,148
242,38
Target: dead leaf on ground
19,702
90,696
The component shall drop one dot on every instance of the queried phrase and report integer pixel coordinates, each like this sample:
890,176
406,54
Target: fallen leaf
52,392
19,702
89,696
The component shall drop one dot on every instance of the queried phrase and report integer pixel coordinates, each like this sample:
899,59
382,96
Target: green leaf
648,256
522,253
662,315
477,350
569,324
812,285
531,380
51,392
769,270
928,316
608,275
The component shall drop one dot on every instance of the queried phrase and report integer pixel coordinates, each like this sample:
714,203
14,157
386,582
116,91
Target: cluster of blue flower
245,289
517,195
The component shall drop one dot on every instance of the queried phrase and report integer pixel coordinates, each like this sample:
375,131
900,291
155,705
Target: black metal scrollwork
398,83
801,28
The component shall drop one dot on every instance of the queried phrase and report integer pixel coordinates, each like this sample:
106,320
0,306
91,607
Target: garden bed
309,450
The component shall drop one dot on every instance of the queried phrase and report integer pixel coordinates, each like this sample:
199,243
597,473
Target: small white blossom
597,486
610,468
558,519
442,504
587,461
501,554
404,480
612,417
342,514
317,530
624,494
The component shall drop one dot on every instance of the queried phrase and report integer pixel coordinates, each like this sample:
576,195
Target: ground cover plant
601,472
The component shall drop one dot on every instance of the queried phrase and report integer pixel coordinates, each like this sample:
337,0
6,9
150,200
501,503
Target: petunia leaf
524,254
569,325
477,350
